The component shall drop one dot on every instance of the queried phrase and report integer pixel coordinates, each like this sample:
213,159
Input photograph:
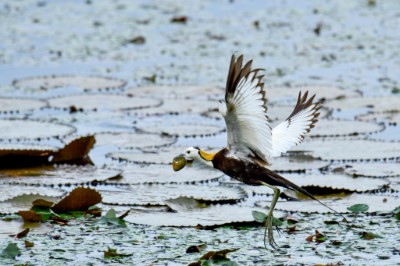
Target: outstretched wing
244,111
291,131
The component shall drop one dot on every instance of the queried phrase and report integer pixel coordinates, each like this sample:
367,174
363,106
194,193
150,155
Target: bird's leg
268,222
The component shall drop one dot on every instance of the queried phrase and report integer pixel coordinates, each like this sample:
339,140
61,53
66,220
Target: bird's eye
187,152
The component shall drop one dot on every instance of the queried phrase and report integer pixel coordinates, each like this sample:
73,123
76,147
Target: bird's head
190,155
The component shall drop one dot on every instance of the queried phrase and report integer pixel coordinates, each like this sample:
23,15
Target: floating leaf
75,151
162,174
57,175
185,125
374,169
111,218
211,216
368,235
157,194
30,130
79,199
333,128
30,216
112,253
357,208
178,92
350,150
296,163
94,102
218,255
289,94
134,140
11,251
259,217
23,233
376,104
84,82
337,181
376,203
12,105
28,244
177,107
388,117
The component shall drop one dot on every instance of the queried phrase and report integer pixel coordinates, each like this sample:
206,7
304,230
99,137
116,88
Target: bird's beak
179,162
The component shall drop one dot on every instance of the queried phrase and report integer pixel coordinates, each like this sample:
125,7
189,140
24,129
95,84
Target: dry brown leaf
80,199
42,203
30,216
220,254
76,150
22,234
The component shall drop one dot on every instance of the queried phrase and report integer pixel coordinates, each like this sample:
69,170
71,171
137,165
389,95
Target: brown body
252,173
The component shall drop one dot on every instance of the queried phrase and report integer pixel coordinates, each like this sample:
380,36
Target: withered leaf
42,203
110,253
30,216
22,233
76,150
28,244
80,199
195,249
216,255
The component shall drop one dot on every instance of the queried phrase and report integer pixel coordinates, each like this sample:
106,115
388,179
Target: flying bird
251,139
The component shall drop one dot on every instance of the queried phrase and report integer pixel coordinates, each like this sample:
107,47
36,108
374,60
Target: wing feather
292,131
244,111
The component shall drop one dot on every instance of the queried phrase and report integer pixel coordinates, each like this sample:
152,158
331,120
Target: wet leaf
22,234
30,130
182,125
43,211
112,253
13,105
111,218
158,194
358,208
42,203
195,249
75,151
11,251
375,203
79,199
28,244
30,216
218,255
103,102
84,82
259,216
130,140
368,235
350,150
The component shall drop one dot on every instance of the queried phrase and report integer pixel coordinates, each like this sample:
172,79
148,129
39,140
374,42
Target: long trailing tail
288,184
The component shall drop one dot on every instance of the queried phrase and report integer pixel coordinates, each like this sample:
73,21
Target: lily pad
79,199
157,194
375,104
289,94
296,163
18,129
376,203
162,174
337,181
94,102
350,149
215,215
374,169
57,175
129,140
162,155
178,106
9,192
390,117
186,126
13,105
24,201
178,92
84,82
333,128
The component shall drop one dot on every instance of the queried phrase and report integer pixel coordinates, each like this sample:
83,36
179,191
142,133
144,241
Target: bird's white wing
244,110
292,131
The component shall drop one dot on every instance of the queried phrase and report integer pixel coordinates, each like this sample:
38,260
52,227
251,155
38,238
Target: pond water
144,78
